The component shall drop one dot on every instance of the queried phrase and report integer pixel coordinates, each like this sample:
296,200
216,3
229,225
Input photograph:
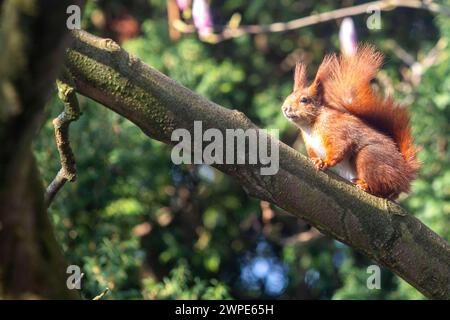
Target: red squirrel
349,126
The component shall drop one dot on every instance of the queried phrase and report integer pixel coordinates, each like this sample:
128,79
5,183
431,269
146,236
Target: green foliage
181,285
144,228
431,115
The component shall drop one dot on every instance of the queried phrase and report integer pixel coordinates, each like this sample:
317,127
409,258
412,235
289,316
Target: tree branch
381,5
68,171
377,227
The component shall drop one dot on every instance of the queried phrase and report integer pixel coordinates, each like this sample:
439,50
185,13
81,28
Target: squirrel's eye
304,100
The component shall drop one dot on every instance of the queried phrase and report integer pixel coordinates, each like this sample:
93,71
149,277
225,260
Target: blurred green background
148,229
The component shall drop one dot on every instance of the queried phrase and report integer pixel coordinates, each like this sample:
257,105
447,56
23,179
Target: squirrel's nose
286,107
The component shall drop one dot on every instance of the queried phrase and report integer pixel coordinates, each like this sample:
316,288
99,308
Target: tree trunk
32,47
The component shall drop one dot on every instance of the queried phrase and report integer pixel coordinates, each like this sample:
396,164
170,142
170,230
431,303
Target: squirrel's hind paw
318,163
361,184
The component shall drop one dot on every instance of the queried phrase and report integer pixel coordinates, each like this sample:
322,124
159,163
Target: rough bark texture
32,46
377,227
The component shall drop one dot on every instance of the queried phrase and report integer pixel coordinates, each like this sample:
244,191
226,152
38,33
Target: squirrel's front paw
319,163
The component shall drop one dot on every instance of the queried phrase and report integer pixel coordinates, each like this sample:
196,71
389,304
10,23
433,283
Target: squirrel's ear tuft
299,76
329,63
316,89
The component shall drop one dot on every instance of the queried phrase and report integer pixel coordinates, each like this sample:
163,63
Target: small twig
419,68
302,237
413,73
66,93
101,295
173,14
401,53
54,187
382,5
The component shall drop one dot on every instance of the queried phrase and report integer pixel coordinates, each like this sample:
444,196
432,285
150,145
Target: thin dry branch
101,295
71,112
228,32
302,237
413,73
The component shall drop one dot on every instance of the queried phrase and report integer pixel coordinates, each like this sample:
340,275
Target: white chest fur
345,168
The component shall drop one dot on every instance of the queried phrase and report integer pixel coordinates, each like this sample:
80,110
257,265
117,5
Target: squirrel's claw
319,163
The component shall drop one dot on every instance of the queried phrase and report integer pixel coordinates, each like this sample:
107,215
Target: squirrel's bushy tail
347,87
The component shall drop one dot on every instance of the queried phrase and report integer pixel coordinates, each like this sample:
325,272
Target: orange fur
347,87
344,120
